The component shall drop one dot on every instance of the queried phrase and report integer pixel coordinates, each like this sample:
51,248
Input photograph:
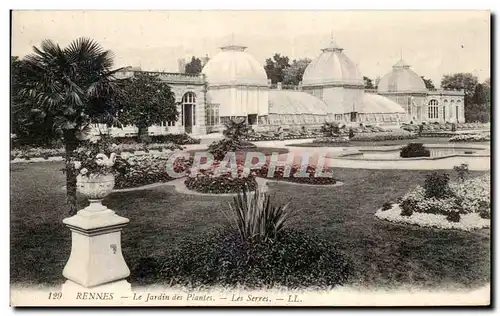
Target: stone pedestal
96,258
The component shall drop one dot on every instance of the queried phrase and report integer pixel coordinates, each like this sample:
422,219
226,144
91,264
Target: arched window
188,109
432,109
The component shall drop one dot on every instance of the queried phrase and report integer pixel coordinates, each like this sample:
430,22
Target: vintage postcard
250,158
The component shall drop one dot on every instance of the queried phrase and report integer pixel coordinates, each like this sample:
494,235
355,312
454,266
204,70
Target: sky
434,43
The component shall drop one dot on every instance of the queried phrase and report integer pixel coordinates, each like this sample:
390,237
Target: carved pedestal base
96,255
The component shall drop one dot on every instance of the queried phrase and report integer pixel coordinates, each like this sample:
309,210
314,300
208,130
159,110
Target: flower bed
464,204
30,152
135,171
279,175
179,139
37,152
216,181
470,138
292,259
381,136
467,222
331,140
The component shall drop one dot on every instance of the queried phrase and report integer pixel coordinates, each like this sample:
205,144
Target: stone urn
95,188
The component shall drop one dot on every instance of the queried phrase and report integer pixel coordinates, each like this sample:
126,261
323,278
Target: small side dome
401,79
332,66
233,66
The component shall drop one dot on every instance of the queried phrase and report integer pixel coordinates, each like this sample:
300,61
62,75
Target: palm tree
69,89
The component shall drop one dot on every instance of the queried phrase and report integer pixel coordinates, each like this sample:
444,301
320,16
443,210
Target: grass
383,254
424,140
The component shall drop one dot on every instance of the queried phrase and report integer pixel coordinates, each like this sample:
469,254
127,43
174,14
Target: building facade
234,85
404,86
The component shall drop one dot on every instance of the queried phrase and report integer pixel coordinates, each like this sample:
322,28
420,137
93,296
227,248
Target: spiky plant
255,218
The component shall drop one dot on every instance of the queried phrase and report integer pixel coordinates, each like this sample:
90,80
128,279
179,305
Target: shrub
414,150
255,218
291,259
279,175
462,171
134,171
386,206
453,217
216,180
470,138
385,135
221,184
179,139
220,148
331,140
330,129
437,185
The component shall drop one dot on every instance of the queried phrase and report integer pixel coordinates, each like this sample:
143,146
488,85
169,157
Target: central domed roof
233,66
332,66
401,79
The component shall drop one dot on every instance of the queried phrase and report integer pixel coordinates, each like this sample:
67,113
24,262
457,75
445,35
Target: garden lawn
383,253
424,140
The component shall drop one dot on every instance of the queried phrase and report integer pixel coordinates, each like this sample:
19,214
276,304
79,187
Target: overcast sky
433,42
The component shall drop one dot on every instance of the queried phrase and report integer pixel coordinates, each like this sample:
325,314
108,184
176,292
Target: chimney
278,86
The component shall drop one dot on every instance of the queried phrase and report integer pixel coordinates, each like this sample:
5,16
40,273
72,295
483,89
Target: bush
220,185
220,148
469,138
453,217
386,206
437,185
462,170
291,259
279,175
382,136
134,171
179,139
331,140
414,150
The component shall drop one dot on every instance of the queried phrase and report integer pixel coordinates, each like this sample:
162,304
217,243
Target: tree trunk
142,133
70,144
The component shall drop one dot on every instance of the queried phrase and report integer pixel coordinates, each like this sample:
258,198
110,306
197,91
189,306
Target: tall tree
293,75
466,81
194,67
146,100
275,67
31,127
428,83
368,83
70,88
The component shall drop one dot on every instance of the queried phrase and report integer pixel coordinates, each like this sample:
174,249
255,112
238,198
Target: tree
293,75
428,83
67,89
368,83
275,67
146,100
468,82
457,81
194,67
